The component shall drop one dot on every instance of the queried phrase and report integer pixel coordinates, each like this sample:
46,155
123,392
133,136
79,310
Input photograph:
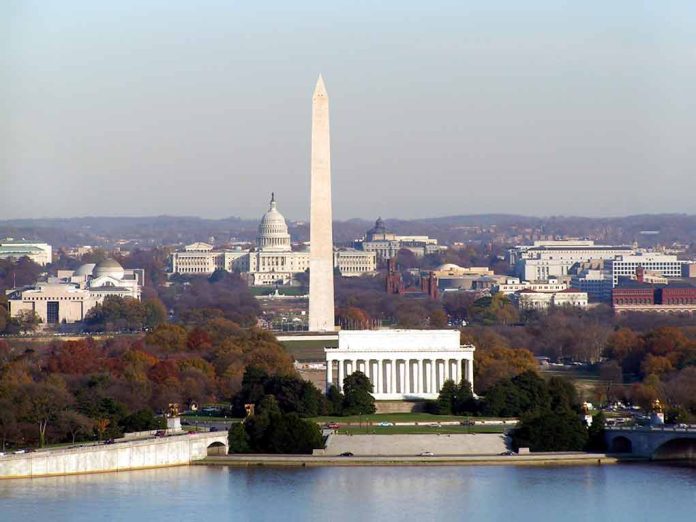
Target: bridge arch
217,448
679,448
621,444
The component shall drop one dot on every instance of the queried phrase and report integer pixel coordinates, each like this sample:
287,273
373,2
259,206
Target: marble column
341,376
394,375
388,377
470,372
329,373
407,377
433,376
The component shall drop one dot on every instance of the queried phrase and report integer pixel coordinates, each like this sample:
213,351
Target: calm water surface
615,493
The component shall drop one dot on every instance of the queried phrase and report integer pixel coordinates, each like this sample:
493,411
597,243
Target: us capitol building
272,262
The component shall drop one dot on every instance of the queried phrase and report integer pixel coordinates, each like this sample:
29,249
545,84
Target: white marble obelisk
321,288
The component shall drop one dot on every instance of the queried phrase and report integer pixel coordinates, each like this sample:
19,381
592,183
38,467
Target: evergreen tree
447,399
358,399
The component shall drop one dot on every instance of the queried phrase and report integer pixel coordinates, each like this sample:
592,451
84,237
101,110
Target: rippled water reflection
625,492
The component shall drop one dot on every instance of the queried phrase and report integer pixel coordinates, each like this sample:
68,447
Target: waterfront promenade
571,458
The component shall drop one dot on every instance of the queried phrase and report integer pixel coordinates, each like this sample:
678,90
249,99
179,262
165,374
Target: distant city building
546,259
530,300
271,262
626,265
401,364
67,297
513,285
641,297
451,277
40,253
597,282
386,244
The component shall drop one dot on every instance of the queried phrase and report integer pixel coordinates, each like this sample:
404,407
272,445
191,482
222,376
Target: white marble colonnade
405,376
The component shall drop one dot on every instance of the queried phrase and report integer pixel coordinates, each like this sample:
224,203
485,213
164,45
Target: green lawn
283,290
397,417
205,418
417,430
305,350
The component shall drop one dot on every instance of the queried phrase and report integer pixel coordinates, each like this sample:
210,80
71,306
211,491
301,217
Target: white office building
40,253
545,259
626,265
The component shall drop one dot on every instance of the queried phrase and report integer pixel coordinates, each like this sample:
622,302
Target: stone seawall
140,454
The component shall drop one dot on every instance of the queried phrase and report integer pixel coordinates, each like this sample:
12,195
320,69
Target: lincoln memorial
401,364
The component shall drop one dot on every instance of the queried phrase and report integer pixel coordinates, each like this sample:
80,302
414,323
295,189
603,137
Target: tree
41,404
142,420
100,426
27,320
496,309
4,317
357,390
550,431
465,403
522,394
611,373
8,421
563,395
496,364
352,317
438,318
447,398
169,337
335,400
80,357
155,312
238,439
74,424
595,440
271,431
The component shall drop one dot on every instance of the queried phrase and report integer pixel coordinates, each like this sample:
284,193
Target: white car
426,454
385,424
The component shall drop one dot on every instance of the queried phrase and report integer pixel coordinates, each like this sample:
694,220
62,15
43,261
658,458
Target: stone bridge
126,454
655,443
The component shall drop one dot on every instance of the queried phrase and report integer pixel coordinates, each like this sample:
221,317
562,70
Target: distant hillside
130,232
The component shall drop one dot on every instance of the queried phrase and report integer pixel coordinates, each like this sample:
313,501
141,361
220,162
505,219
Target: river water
520,493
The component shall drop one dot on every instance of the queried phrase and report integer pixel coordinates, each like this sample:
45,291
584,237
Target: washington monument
321,289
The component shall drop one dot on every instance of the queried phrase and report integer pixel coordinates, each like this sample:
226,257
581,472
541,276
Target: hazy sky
138,107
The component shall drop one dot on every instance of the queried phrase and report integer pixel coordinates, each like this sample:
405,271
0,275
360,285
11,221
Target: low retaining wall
388,445
139,454
537,459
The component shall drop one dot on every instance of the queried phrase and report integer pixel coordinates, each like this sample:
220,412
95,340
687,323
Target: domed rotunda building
273,233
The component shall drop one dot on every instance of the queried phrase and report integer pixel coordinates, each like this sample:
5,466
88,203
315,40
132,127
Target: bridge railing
668,428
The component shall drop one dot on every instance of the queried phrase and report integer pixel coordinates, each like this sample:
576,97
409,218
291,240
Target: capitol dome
449,267
110,268
273,233
85,270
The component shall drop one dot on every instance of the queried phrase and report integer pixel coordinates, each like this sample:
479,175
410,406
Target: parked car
160,433
426,454
213,428
384,424
346,454
507,453
333,425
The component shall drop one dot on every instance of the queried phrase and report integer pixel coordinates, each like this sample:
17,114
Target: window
52,309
